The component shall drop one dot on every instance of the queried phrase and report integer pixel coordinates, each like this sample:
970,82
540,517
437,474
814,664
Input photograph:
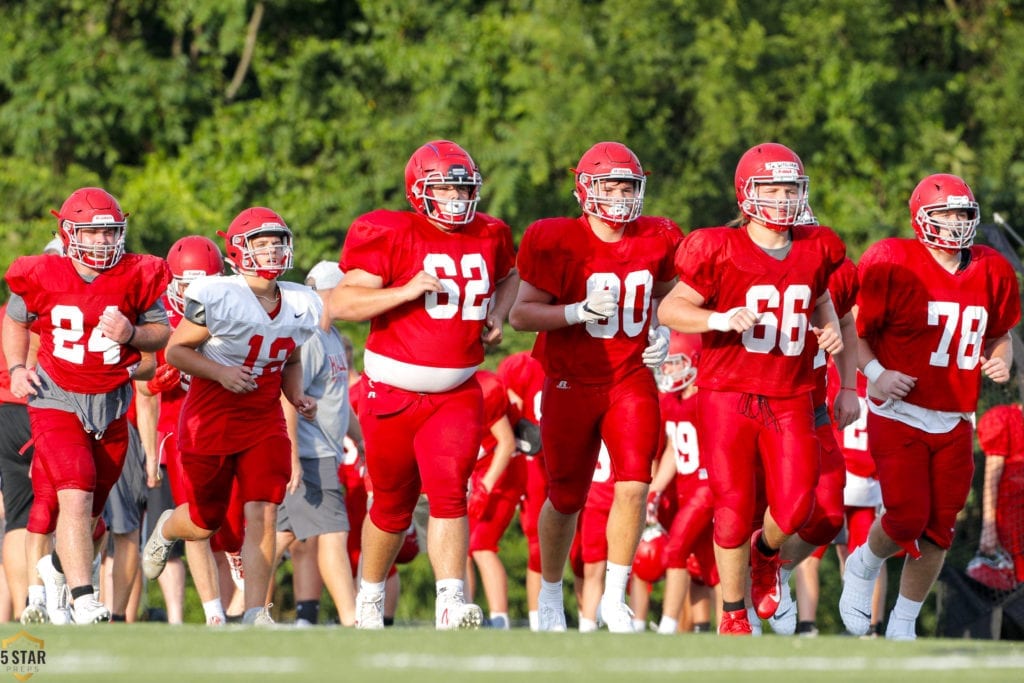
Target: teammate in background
592,541
436,284
682,464
495,490
1001,436
862,496
589,287
751,292
95,310
934,316
523,377
826,520
312,520
238,342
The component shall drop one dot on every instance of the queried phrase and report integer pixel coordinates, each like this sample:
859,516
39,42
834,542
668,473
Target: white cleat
855,601
617,616
154,555
550,616
88,610
452,612
35,613
57,594
370,611
900,629
258,616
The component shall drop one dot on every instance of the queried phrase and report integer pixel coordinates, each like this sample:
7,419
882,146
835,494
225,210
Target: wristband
572,314
18,366
719,321
873,370
129,340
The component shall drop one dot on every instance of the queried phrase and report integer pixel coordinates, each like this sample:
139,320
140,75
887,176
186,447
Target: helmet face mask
442,182
610,183
189,258
247,250
771,187
94,212
944,213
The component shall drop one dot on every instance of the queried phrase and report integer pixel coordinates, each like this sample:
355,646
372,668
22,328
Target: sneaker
855,601
154,555
783,622
370,610
617,616
35,613
453,612
258,616
550,616
734,623
765,584
58,597
900,629
499,621
89,610
237,573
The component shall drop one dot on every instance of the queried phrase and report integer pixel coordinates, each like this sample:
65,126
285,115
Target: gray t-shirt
325,378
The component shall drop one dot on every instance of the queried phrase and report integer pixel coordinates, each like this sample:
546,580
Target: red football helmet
410,547
91,208
609,161
442,162
189,258
995,571
649,561
679,368
258,222
771,164
944,192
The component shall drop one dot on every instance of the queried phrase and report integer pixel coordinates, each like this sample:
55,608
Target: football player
238,341
751,291
436,284
96,310
1001,437
934,315
589,287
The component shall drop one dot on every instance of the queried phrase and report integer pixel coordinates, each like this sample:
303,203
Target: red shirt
72,350
931,324
438,329
523,374
1001,432
728,270
563,257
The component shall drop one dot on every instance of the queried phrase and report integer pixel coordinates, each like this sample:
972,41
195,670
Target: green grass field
155,653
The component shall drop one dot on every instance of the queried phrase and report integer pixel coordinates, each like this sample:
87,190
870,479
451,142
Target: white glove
600,304
720,321
657,351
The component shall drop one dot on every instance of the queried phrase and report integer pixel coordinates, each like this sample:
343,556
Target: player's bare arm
883,382
846,406
17,344
998,358
362,295
291,386
683,310
147,411
504,296
291,419
825,325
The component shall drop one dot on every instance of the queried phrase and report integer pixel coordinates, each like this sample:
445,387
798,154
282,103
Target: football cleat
551,616
855,601
370,610
258,616
765,583
616,615
734,623
35,613
57,594
89,610
237,573
154,555
453,612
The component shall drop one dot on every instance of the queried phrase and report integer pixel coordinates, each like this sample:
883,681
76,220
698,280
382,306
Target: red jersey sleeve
843,287
543,256
371,243
994,431
874,274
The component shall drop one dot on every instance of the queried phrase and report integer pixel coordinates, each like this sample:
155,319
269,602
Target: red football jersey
931,324
1001,432
495,407
725,267
439,329
679,416
853,441
72,350
523,374
5,379
842,285
564,258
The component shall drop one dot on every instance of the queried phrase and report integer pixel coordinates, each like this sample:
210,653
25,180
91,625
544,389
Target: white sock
668,625
785,571
450,585
214,608
371,588
551,591
587,625
616,576
906,608
534,617
872,563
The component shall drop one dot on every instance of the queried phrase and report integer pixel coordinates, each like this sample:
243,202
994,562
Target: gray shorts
127,500
318,506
